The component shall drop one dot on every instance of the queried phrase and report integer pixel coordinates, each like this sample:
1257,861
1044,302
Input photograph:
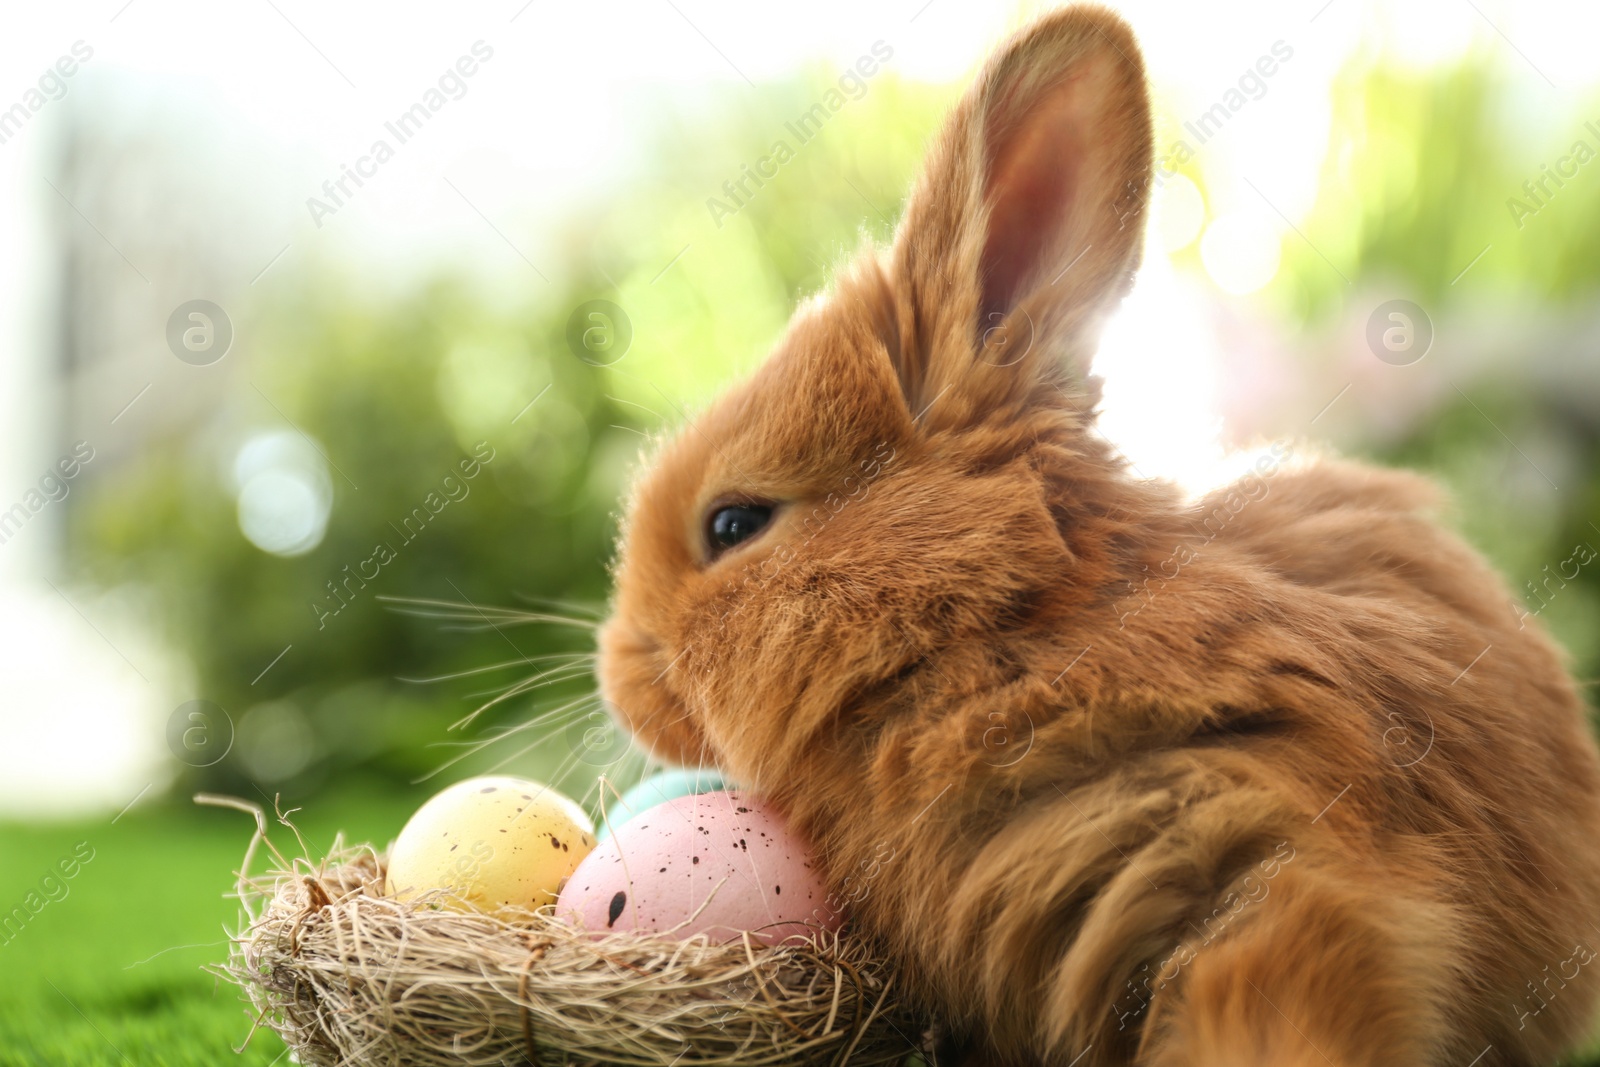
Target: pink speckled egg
725,854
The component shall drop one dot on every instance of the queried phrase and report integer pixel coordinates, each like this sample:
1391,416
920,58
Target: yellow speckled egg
493,844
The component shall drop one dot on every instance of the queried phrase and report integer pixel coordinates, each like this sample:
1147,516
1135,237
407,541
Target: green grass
111,973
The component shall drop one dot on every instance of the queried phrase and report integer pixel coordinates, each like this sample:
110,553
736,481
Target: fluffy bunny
1278,777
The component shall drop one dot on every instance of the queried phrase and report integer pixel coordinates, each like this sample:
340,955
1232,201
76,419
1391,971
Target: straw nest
348,976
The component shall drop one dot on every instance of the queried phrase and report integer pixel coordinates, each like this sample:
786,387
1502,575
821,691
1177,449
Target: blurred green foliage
1427,189
394,394
1420,173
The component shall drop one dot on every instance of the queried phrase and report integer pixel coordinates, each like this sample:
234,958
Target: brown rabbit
1279,777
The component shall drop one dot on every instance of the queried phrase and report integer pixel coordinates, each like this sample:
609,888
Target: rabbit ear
1026,225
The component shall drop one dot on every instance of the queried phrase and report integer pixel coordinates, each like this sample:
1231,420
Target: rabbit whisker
538,681
596,612
571,656
518,690
457,611
527,685
551,719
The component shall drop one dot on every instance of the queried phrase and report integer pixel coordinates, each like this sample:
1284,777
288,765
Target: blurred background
331,335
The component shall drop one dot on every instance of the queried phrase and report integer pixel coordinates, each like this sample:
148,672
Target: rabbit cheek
630,672
663,729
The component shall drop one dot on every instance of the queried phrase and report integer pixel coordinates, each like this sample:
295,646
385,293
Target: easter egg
492,844
668,785
716,864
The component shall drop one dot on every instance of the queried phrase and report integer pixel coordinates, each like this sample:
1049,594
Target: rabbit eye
732,524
